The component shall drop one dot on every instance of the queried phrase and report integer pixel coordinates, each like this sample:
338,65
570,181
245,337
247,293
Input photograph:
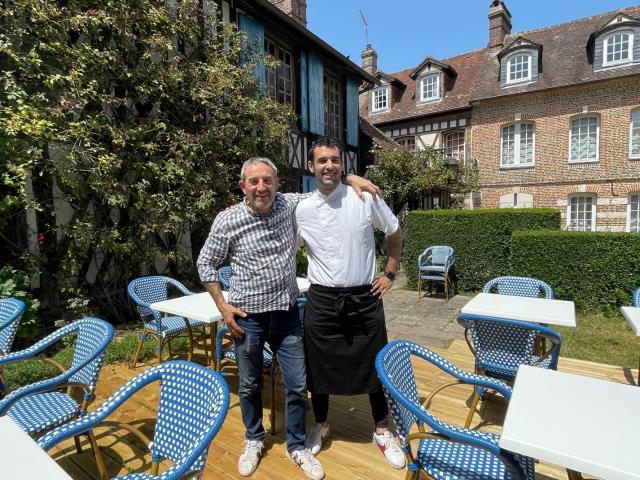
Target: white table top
582,423
201,306
527,309
21,457
632,315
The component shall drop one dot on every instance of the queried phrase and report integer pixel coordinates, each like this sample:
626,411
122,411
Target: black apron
344,329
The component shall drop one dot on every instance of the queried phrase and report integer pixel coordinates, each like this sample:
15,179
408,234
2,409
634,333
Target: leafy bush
480,239
596,270
16,284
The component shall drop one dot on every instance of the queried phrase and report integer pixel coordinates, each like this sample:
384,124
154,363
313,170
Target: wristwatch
390,275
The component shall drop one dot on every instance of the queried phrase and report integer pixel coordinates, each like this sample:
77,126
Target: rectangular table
200,306
527,309
21,457
632,315
581,423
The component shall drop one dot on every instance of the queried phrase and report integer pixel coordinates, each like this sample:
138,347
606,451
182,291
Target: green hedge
480,239
595,270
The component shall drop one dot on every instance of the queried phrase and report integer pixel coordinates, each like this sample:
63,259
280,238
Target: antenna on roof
364,22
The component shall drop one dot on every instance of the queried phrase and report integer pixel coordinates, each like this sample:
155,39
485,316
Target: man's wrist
390,275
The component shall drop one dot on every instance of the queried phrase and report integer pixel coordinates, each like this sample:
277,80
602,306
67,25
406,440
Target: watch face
390,275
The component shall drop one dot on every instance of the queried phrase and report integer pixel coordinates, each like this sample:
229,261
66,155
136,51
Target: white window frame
510,59
605,44
585,160
423,80
629,210
383,91
404,140
593,211
634,124
517,145
445,138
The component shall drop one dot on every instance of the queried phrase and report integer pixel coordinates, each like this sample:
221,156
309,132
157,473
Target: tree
132,120
405,175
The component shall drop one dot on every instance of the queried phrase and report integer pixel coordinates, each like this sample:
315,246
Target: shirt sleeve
383,218
214,250
295,198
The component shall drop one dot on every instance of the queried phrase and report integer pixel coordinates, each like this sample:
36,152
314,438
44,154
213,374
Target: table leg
213,333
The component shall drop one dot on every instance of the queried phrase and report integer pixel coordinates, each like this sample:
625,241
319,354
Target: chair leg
102,469
170,348
76,440
160,345
419,284
137,352
446,290
190,337
475,399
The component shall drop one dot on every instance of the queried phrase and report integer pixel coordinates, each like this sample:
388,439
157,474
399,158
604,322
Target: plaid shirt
261,250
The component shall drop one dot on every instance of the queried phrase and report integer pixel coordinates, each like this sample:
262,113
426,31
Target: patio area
348,453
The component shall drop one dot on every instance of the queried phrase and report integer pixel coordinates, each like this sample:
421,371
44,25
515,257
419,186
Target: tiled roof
376,135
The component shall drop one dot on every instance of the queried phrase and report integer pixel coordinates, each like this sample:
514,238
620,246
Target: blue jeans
283,330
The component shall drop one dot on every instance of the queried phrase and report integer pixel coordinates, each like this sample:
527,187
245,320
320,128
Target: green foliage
595,270
16,284
405,175
480,239
136,117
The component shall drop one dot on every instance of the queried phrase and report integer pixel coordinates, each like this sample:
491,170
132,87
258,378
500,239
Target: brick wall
552,179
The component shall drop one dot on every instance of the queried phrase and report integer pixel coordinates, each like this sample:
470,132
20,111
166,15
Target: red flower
41,239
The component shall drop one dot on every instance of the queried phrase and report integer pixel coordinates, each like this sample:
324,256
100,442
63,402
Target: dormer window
430,87
380,99
618,48
519,68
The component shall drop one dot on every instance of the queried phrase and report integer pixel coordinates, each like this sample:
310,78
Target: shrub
595,270
480,238
14,283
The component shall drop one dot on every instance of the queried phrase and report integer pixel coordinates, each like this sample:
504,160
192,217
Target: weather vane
364,21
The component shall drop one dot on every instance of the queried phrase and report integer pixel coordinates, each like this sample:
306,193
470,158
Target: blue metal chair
434,265
11,310
155,288
445,452
635,297
519,286
193,403
224,277
501,345
40,406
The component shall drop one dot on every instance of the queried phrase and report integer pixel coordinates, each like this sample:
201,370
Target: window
634,135
332,107
519,68
407,143
380,99
278,80
583,142
518,145
454,144
581,213
633,213
430,87
618,48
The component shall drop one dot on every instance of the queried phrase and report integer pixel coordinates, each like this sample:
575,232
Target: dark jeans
283,330
378,402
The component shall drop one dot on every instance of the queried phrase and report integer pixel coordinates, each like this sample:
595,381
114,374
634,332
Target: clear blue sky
403,32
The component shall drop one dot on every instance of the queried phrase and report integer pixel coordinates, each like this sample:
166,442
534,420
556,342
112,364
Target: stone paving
429,320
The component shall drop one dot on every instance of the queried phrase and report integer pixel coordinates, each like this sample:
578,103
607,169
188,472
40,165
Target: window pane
526,143
519,67
278,79
581,213
380,99
431,87
454,145
584,138
332,107
617,48
635,134
634,213
508,136
407,143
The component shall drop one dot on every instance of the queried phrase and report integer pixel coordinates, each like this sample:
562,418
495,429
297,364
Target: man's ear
310,166
241,185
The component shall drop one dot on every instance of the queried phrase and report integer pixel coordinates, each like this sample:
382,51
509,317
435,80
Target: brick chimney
296,9
369,60
499,23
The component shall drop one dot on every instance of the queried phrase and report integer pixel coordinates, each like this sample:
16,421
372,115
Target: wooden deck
348,453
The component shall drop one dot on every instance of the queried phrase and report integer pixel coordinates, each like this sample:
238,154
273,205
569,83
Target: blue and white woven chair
11,310
501,345
434,265
155,288
635,297
224,277
445,452
192,406
40,406
519,287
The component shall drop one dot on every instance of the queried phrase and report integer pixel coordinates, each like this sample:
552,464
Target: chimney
369,60
296,9
499,23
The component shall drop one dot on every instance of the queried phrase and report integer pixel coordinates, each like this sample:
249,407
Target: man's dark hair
324,142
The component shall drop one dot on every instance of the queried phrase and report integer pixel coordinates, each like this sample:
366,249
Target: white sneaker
250,457
316,437
308,463
392,451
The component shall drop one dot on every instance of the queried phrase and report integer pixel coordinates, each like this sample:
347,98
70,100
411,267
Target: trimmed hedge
480,239
595,270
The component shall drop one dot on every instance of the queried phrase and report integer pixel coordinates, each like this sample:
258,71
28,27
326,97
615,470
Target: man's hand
380,286
360,185
229,314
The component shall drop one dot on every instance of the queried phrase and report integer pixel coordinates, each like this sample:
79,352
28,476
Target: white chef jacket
338,231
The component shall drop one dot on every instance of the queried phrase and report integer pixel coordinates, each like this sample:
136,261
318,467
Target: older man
257,237
344,325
